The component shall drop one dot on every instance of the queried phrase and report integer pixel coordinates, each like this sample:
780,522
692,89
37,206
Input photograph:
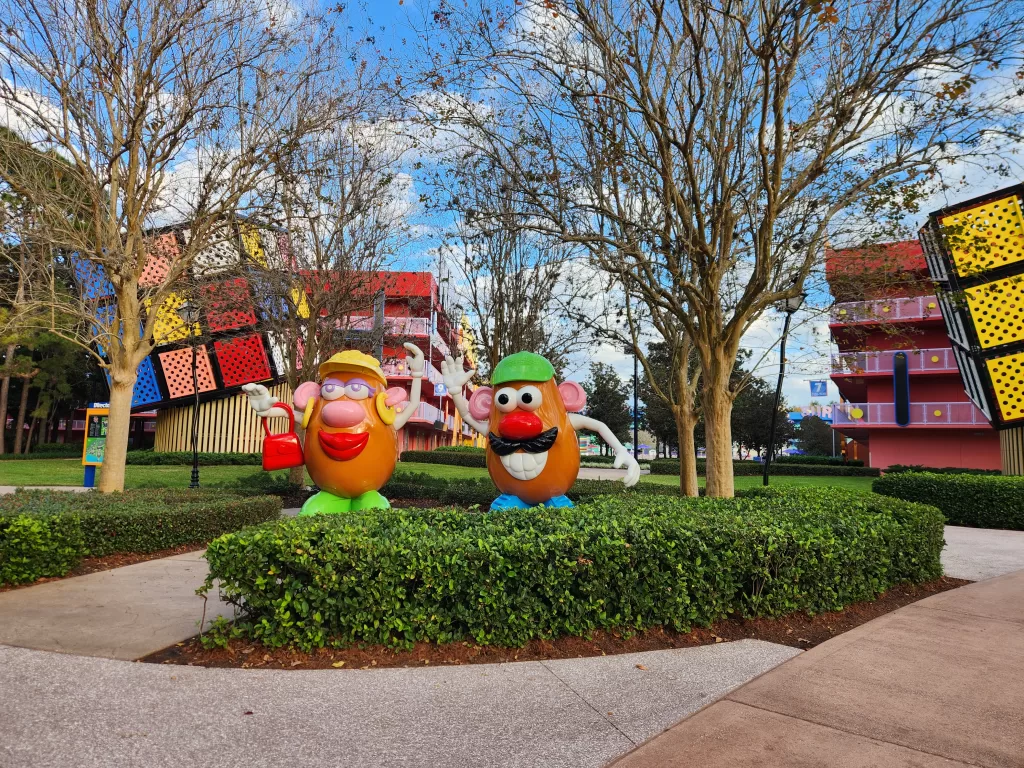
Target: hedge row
453,458
977,501
46,451
152,458
829,461
751,468
46,533
939,470
401,576
470,492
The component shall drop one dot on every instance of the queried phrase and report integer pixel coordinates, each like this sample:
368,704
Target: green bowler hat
522,366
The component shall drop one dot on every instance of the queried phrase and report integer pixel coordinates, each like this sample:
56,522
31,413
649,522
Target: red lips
342,446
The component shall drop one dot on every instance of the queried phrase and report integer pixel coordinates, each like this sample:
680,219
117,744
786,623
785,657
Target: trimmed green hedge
152,458
46,533
453,458
826,461
753,468
462,449
47,451
939,470
401,576
977,501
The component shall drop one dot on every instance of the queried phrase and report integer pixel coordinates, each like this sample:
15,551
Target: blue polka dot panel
147,390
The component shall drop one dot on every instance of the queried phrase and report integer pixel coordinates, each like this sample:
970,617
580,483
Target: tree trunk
717,401
19,424
122,382
5,390
31,430
686,422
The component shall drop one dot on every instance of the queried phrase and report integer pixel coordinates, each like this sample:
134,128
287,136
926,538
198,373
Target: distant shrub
753,468
827,461
452,458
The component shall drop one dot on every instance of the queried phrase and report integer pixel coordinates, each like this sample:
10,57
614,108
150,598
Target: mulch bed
797,630
94,564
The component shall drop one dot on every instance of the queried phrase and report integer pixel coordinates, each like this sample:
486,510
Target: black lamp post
790,306
189,314
630,350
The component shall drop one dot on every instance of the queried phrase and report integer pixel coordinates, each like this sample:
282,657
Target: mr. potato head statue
351,421
533,455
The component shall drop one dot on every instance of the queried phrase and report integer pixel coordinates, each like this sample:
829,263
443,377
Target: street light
189,314
789,305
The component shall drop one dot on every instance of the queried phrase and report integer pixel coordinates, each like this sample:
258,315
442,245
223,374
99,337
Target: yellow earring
386,412
308,413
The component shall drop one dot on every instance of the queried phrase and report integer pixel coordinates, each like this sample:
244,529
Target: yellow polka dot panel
986,236
1008,384
997,309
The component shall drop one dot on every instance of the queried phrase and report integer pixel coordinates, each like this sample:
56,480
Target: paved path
938,683
5,489
62,711
123,613
981,553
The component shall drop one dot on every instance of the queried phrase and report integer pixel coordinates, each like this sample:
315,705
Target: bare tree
156,111
518,286
703,149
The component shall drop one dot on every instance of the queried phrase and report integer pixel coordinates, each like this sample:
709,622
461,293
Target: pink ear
306,390
480,403
573,396
395,395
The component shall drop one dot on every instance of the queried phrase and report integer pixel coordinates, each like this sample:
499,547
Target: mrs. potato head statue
533,455
351,424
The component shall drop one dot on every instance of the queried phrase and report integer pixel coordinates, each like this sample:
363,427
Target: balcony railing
401,368
921,414
886,310
856,363
425,412
395,326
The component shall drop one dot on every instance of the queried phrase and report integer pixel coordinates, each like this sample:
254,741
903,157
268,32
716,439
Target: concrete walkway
61,711
937,683
982,553
123,613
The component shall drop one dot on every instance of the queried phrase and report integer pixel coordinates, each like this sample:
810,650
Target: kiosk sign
95,448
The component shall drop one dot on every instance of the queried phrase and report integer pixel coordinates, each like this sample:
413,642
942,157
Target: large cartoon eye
530,398
357,391
331,391
506,399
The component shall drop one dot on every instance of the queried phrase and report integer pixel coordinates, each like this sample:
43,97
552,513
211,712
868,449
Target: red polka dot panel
161,251
228,305
242,360
177,368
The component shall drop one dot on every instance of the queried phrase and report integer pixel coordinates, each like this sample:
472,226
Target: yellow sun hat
353,361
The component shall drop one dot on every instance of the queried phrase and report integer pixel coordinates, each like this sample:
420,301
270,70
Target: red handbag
282,451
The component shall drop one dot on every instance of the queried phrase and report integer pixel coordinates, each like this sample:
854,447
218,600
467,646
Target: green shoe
325,503
370,500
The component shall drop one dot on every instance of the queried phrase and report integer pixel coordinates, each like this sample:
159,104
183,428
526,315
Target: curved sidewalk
937,683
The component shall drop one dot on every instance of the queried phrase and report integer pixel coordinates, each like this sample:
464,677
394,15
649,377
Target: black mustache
538,444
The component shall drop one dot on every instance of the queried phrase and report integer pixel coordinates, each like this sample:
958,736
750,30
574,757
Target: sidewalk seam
1014,622
601,714
856,733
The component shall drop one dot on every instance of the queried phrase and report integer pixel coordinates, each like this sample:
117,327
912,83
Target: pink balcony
885,310
918,361
962,414
429,414
400,369
395,326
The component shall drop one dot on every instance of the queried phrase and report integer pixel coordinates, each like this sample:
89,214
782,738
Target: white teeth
524,466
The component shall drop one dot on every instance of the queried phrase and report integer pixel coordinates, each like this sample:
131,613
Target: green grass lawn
69,472
854,483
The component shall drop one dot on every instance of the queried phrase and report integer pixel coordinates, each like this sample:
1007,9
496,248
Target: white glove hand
416,361
455,378
625,458
261,401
